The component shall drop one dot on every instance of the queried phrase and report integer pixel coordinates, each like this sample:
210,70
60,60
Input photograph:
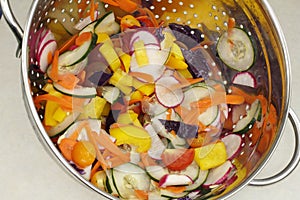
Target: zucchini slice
246,123
129,177
236,50
71,58
78,91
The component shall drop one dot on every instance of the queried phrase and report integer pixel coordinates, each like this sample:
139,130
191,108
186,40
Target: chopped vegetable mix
131,92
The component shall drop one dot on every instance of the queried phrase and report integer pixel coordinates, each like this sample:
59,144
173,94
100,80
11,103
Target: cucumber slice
168,194
74,69
71,58
78,91
192,171
107,24
61,127
156,172
209,116
129,177
199,181
236,50
110,184
246,123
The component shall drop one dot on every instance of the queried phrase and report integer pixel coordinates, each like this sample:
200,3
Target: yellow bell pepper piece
145,88
129,118
140,53
136,95
122,80
133,135
59,115
110,56
94,109
50,109
175,63
210,156
185,73
104,38
176,52
125,59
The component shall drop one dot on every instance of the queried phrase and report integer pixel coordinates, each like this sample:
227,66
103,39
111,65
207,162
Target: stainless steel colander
209,16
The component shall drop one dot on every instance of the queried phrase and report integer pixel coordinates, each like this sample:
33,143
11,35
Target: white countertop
28,172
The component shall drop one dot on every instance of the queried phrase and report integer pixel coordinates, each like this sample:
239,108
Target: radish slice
233,145
48,36
219,174
165,95
43,58
174,179
238,112
244,78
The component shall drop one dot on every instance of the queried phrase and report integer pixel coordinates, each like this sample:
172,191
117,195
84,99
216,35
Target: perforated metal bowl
211,17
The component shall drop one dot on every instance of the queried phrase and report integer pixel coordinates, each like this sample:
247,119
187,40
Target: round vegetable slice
236,50
165,93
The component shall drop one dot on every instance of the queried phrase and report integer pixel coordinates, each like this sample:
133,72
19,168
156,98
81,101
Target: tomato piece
178,159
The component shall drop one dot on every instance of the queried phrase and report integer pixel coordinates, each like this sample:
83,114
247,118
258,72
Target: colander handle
13,23
294,160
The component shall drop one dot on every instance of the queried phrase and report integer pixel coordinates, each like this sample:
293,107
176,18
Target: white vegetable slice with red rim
175,180
165,93
147,37
46,54
219,174
44,38
233,145
245,78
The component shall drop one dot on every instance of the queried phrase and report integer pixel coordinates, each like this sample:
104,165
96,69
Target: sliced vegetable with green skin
80,92
156,172
246,123
236,50
77,55
129,177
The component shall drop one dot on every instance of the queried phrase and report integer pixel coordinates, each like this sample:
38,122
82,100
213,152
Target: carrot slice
54,71
176,189
194,80
68,44
249,98
169,114
104,140
141,194
77,131
92,11
146,77
111,2
95,168
68,81
82,38
218,99
48,97
127,5
66,146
